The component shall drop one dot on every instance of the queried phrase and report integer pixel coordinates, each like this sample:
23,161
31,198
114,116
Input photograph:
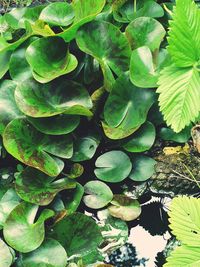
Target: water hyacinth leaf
108,45
116,133
145,31
143,168
38,188
85,11
22,141
75,171
125,208
14,16
113,166
49,58
98,194
19,68
30,15
6,255
85,148
7,203
125,11
58,14
56,125
46,100
142,140
69,232
181,137
23,233
4,62
8,108
49,254
127,106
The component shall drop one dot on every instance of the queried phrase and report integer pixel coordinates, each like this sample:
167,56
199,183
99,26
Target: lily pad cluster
78,111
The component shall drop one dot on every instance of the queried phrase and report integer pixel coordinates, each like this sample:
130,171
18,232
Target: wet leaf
98,194
58,14
69,232
46,100
36,187
142,140
49,254
21,231
124,208
6,255
113,166
143,168
107,44
49,58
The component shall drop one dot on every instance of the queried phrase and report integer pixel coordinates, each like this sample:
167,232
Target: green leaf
49,58
142,140
108,45
4,62
113,166
7,203
58,14
98,194
49,254
145,31
20,230
73,200
124,11
184,220
127,106
19,68
85,147
56,125
5,255
116,133
36,187
181,137
8,108
184,256
85,11
143,168
145,67
125,208
179,96
185,27
46,100
69,232
25,143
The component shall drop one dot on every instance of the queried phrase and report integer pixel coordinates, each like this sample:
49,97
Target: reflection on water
147,239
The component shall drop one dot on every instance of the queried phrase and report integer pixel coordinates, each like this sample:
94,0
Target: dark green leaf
142,139
46,100
36,187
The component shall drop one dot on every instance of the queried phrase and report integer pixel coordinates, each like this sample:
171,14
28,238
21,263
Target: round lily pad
58,14
113,166
144,168
49,254
124,208
169,135
142,140
21,232
98,194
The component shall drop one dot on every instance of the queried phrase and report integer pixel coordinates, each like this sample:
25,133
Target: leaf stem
191,174
135,6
